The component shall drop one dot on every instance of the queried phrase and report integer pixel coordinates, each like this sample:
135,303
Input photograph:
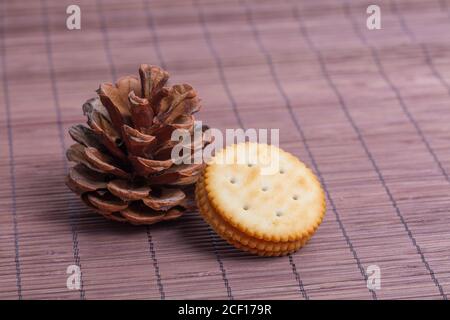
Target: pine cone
124,169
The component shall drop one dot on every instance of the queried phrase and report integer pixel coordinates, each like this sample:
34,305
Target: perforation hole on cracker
279,213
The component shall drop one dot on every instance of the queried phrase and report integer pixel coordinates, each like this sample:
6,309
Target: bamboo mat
368,111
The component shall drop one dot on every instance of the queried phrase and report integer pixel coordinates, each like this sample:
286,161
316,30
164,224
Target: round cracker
235,236
285,205
254,250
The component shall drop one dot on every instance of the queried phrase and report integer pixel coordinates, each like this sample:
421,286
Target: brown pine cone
124,169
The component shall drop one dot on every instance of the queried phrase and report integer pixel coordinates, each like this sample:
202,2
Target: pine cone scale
106,202
80,180
127,190
141,111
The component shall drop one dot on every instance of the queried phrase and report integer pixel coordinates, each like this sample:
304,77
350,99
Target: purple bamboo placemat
367,110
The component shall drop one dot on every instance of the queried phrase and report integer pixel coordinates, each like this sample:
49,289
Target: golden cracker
239,245
235,236
283,207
